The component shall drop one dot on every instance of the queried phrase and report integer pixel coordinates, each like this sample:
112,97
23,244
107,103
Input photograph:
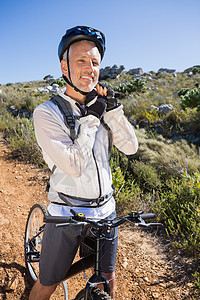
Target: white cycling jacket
82,167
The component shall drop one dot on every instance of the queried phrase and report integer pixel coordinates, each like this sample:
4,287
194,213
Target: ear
64,67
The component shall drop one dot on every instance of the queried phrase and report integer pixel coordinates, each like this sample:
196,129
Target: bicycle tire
97,294
33,227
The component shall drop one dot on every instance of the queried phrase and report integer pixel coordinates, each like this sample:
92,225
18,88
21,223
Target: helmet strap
69,81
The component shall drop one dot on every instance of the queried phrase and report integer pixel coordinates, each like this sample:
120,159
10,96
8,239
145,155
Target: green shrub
178,208
47,77
132,198
183,91
19,133
146,175
191,99
118,179
134,85
60,82
196,276
195,70
167,157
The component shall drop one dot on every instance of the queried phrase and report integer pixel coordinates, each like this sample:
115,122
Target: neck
74,95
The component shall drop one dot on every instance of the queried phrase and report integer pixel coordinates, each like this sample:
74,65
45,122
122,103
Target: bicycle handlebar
134,217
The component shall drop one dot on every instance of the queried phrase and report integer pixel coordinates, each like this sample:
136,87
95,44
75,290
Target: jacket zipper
98,175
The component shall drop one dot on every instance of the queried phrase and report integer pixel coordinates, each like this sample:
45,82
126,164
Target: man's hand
95,104
101,89
108,94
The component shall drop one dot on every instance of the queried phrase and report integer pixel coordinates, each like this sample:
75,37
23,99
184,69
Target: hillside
163,176
147,267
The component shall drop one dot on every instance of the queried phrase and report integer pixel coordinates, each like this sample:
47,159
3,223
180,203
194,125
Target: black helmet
79,33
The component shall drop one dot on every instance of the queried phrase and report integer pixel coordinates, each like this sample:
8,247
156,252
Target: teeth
87,77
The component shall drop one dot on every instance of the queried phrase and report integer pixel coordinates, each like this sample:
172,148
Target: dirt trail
144,270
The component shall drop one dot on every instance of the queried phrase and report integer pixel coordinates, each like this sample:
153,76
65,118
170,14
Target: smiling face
84,65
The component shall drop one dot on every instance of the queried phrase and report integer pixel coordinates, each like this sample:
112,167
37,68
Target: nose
90,66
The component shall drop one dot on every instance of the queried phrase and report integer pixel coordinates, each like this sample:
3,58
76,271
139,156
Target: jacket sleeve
124,137
57,146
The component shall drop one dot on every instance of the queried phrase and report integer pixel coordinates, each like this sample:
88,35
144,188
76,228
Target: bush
60,82
166,157
134,85
183,91
147,176
195,70
191,99
19,133
178,208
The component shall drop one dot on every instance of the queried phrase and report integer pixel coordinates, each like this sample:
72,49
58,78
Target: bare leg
111,278
41,292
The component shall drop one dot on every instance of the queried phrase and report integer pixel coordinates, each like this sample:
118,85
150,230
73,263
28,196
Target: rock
137,76
162,109
55,86
16,112
165,70
137,71
153,107
0,91
165,108
110,72
125,263
24,113
42,90
49,89
155,295
13,110
3,220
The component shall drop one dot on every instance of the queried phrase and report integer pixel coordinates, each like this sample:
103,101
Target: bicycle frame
93,259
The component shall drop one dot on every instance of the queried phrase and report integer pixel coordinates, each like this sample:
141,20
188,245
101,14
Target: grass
163,176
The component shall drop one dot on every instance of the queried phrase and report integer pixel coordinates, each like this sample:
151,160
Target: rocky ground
147,267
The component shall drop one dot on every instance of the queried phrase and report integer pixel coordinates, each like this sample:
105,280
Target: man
81,177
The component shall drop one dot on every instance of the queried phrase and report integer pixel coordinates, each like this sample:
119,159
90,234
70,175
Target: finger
100,90
105,91
97,87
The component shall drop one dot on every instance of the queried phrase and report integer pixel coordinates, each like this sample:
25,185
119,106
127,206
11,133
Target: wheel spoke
33,245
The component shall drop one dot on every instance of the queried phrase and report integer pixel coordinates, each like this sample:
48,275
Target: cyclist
81,176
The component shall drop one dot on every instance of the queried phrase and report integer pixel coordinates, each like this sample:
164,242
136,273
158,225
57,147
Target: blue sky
150,34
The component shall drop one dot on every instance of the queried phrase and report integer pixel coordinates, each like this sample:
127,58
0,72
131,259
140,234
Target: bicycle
36,220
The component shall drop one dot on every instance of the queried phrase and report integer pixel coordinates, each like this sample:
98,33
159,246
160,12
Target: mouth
86,77
89,77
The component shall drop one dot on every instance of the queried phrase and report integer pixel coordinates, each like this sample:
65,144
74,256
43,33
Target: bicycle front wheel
33,239
97,294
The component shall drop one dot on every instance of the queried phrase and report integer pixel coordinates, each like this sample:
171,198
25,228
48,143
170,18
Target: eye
95,63
81,60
